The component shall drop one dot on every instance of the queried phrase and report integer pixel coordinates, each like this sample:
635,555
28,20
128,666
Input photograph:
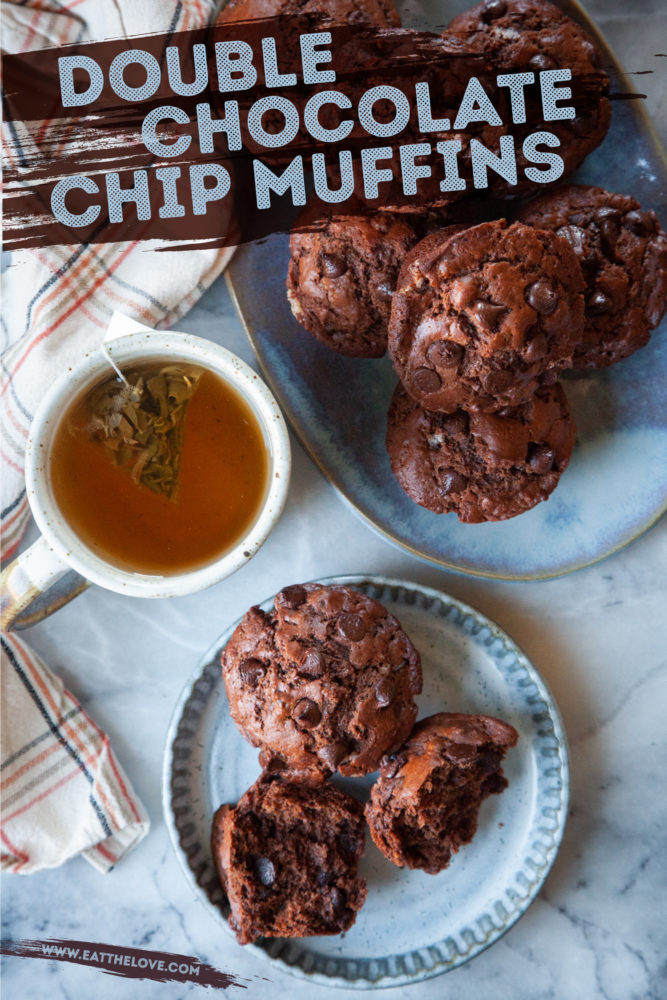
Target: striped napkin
58,301
63,791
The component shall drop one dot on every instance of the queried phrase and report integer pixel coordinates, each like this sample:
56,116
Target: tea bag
141,423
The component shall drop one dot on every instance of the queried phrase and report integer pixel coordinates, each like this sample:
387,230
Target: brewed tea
162,472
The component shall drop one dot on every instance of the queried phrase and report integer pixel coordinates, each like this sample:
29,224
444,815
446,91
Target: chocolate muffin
533,36
341,278
482,317
355,12
287,857
324,682
623,255
425,804
481,466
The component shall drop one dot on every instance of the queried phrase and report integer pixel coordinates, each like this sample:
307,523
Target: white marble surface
598,928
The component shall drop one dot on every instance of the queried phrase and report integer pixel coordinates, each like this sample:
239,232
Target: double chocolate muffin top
482,317
324,682
533,36
287,858
623,256
341,278
481,466
425,804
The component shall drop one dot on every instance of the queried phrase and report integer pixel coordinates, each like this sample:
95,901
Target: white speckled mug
32,586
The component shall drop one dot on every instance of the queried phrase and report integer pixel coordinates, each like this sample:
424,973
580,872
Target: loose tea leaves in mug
141,424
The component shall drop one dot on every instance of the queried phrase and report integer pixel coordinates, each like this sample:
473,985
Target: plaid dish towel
63,791
58,301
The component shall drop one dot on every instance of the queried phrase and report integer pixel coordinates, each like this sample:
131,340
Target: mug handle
34,585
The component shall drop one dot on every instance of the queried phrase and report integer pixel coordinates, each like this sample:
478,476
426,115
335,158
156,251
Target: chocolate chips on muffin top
341,278
326,681
623,256
481,466
482,317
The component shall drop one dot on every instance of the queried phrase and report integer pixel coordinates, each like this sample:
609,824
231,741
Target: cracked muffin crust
483,317
287,857
425,804
324,682
533,36
481,466
623,256
341,278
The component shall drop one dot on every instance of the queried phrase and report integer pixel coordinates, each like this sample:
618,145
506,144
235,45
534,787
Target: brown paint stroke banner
129,963
46,142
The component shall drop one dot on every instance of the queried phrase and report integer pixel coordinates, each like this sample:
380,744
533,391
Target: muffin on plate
533,36
287,857
425,804
324,682
341,278
481,466
483,317
623,256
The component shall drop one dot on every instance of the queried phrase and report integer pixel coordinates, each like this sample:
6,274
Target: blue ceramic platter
413,926
615,487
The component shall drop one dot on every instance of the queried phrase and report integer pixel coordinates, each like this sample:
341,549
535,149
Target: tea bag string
109,357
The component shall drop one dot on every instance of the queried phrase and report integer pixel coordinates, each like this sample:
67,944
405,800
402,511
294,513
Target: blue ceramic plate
616,484
413,925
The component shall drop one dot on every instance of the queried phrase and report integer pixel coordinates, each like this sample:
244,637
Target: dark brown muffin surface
481,318
534,36
325,681
481,466
341,278
623,256
287,857
425,804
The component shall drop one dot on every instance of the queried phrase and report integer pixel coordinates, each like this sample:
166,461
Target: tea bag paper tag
121,325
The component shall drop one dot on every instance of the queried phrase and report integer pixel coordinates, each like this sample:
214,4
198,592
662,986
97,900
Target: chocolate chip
384,692
493,9
307,713
250,671
579,219
352,626
610,228
292,597
497,381
574,235
265,871
333,265
536,349
445,354
455,423
348,843
269,762
452,482
540,458
334,754
599,304
313,664
639,223
391,765
338,901
426,380
462,754
541,61
542,297
488,313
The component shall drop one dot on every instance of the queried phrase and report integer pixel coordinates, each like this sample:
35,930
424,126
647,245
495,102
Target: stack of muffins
480,320
324,684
